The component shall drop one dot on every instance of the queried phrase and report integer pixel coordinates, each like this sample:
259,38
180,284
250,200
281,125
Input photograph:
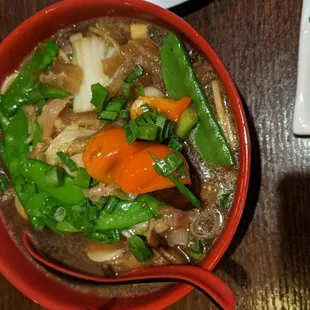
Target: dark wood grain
267,264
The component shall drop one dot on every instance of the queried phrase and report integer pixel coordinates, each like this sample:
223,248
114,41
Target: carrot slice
138,176
105,151
171,108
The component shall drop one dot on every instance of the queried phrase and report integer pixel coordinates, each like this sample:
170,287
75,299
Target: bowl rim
174,292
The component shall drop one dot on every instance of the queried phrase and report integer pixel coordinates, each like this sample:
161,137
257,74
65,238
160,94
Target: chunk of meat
63,75
49,114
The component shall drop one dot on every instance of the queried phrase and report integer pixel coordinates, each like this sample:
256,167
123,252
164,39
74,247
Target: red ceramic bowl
13,50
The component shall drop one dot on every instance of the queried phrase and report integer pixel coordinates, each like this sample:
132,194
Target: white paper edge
167,4
301,123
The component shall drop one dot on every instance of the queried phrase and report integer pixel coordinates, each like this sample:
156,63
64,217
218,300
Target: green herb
93,182
188,120
129,82
195,249
175,143
67,161
109,236
139,249
116,104
111,204
54,176
4,183
107,116
166,167
99,96
181,81
131,132
82,178
124,114
135,74
126,88
224,199
148,132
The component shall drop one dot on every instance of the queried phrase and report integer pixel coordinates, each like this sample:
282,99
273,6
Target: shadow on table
189,7
227,264
294,226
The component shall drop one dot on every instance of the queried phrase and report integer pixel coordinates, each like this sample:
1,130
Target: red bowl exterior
13,264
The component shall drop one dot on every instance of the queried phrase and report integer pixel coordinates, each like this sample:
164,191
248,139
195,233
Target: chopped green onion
108,236
82,178
91,212
135,74
185,191
140,90
166,167
99,96
67,161
60,214
224,199
124,114
116,104
111,204
54,176
131,131
107,116
139,249
126,88
40,106
188,120
148,132
195,250
4,184
175,143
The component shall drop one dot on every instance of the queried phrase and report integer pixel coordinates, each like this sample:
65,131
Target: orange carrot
171,108
110,159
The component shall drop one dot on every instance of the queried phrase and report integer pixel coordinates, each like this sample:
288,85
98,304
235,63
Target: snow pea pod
181,81
25,89
127,214
67,193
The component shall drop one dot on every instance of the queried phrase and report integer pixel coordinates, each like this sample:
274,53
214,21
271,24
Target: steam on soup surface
121,148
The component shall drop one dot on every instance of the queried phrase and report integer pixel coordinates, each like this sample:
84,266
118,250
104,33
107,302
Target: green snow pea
127,214
181,81
25,89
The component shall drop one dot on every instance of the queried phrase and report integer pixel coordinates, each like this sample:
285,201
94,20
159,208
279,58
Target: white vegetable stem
222,114
88,54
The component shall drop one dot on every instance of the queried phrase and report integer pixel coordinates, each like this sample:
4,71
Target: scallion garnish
139,249
67,161
131,131
82,178
148,132
124,114
135,74
99,96
116,104
175,143
107,115
166,167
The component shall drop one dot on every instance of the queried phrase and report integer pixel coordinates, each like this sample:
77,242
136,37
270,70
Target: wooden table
267,264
